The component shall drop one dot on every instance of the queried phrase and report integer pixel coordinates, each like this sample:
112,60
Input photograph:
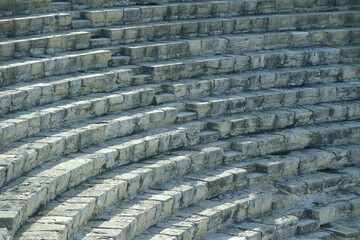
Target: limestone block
22,26
97,17
146,14
113,16
7,27
186,10
131,14
63,20
161,30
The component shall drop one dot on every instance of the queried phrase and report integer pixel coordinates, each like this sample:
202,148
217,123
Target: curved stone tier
176,119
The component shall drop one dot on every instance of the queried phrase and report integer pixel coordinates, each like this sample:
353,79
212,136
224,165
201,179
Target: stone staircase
175,119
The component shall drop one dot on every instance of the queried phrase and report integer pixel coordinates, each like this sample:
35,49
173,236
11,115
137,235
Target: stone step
235,124
21,156
307,183
277,227
119,60
134,14
35,46
76,166
346,228
334,231
351,222
341,230
27,123
175,119
10,8
95,90
60,6
52,89
99,42
180,161
132,178
67,62
183,117
76,169
294,138
204,9
194,222
177,10
233,25
90,4
92,165
299,161
58,139
65,112
133,175
278,119
23,95
267,59
205,214
274,166
80,23
266,99
27,25
307,225
223,8
294,223
316,235
141,79
229,44
44,44
75,40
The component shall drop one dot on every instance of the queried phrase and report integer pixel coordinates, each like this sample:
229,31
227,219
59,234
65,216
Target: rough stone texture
170,119
24,7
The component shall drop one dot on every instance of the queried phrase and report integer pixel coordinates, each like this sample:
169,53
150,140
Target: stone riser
239,44
27,124
185,48
206,185
346,228
218,26
22,71
80,40
65,85
208,216
297,224
20,97
206,9
21,26
80,171
194,67
13,129
8,8
75,173
47,44
39,69
231,109
17,98
167,70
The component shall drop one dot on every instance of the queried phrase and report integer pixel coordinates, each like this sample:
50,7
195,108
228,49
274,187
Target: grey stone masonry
24,7
234,25
44,44
31,69
206,9
179,119
20,26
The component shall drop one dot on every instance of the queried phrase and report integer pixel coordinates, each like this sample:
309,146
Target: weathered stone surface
179,119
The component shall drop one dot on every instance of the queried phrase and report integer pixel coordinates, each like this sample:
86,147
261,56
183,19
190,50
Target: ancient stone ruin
179,119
